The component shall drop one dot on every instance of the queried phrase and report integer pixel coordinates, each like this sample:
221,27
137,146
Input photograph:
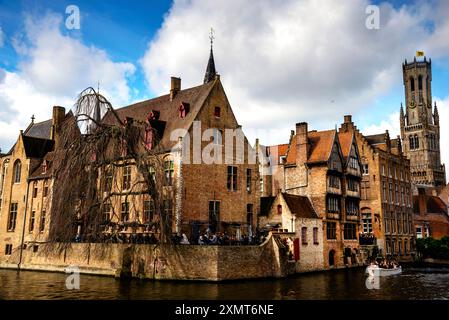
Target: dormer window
184,109
217,112
153,115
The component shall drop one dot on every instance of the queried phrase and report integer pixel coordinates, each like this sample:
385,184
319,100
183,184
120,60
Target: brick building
296,218
316,166
431,216
271,167
26,185
222,195
195,125
386,203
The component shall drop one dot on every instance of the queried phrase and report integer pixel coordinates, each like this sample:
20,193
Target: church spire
210,70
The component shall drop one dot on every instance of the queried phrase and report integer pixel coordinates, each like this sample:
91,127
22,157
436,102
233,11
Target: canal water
349,284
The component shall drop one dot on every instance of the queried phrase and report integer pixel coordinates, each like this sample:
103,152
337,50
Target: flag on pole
420,53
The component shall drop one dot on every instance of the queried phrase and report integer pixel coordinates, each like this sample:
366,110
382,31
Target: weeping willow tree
92,196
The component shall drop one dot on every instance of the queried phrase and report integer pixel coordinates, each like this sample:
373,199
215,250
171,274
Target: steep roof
168,110
320,146
265,205
39,130
434,204
36,147
376,138
345,139
300,206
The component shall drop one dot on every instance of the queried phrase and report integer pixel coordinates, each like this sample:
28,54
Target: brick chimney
302,145
175,87
58,117
347,124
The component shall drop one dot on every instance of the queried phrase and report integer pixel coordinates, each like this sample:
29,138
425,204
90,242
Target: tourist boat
374,270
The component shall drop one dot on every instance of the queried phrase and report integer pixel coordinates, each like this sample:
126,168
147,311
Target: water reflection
413,283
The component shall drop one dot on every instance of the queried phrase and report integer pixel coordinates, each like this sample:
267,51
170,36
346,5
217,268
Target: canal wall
161,262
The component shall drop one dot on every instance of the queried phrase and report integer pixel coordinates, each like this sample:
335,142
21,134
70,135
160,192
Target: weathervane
211,36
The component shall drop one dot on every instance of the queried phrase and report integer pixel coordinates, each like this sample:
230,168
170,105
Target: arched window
416,141
411,142
412,84
420,82
279,209
17,171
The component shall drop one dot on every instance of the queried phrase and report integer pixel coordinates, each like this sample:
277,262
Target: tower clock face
412,104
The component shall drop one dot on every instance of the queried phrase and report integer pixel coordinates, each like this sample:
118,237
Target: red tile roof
345,139
300,206
321,143
320,146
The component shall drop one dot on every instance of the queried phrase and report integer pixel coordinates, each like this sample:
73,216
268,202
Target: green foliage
432,248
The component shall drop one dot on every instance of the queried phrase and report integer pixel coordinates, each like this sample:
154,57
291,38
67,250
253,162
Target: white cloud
53,69
290,61
58,64
392,125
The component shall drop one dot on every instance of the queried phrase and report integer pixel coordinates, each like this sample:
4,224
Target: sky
281,62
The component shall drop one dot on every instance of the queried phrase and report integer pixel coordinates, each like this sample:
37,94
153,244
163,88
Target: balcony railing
367,239
352,217
355,194
333,215
353,171
333,190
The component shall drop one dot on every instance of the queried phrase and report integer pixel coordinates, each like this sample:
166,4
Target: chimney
348,119
175,87
302,146
58,117
347,124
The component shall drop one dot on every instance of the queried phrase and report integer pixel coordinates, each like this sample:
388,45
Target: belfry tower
420,125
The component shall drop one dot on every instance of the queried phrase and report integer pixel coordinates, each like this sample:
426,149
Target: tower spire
436,116
210,70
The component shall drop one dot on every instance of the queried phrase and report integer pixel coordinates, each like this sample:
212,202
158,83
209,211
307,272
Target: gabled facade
213,177
315,166
296,217
25,205
386,205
